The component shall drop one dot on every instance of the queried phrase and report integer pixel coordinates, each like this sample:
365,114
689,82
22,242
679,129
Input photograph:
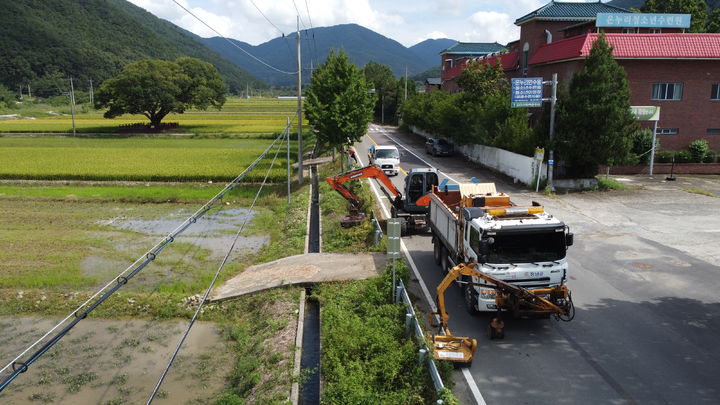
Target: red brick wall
692,115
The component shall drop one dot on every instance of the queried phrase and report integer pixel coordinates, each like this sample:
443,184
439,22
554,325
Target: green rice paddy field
238,116
135,159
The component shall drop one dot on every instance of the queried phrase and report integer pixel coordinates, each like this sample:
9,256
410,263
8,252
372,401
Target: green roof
473,48
570,11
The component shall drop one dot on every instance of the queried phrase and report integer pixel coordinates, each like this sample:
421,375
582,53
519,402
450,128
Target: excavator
411,209
518,301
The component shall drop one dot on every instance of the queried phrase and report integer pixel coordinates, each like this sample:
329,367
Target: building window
526,56
628,30
656,30
715,92
713,131
667,131
667,91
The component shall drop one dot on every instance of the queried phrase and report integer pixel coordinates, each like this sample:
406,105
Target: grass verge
700,191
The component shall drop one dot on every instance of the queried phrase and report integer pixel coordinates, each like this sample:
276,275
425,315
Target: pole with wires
299,105
287,138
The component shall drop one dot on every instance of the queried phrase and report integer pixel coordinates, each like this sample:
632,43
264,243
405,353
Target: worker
351,154
415,190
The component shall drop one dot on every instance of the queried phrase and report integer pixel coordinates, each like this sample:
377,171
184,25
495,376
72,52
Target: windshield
387,154
526,247
443,142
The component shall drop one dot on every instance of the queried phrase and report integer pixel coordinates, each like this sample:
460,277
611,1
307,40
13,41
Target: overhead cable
81,312
286,135
233,43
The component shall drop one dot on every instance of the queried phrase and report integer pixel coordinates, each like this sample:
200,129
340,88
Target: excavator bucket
454,348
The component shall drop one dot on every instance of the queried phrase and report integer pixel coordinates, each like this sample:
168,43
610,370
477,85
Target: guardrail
411,322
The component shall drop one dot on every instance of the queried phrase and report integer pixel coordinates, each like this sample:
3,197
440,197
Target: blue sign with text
641,20
526,92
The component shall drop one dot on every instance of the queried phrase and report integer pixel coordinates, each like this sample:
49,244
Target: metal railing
411,322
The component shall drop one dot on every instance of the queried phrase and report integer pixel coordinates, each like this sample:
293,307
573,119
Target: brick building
680,72
455,58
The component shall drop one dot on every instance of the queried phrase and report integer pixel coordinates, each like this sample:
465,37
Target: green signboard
646,112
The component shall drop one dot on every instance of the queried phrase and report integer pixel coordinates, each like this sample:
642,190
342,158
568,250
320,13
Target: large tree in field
698,9
156,88
595,125
338,103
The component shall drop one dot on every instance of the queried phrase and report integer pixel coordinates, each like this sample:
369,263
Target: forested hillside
93,40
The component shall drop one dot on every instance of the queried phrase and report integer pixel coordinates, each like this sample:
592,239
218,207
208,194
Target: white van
386,157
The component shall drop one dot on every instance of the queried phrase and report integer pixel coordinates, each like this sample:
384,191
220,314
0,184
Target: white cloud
490,26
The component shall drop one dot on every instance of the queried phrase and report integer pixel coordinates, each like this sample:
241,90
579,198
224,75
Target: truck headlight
487,294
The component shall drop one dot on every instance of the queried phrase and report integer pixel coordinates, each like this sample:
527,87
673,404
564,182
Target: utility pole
72,104
299,105
287,135
551,157
382,109
21,92
92,94
405,83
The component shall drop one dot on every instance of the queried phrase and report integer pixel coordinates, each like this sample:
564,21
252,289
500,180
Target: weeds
700,191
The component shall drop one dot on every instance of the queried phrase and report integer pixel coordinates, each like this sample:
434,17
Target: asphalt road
644,273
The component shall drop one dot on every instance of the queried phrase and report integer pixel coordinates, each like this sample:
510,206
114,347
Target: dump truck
518,246
410,208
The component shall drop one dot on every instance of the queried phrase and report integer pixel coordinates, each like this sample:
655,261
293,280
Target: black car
438,147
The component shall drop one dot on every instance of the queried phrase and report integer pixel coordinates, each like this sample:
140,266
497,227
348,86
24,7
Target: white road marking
426,292
473,387
413,153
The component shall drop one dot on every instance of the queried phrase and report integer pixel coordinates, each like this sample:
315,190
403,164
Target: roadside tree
156,88
698,9
337,102
595,125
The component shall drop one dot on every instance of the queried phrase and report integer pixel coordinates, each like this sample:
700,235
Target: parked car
438,147
386,157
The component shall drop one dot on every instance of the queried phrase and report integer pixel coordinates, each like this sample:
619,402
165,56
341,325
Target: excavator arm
373,172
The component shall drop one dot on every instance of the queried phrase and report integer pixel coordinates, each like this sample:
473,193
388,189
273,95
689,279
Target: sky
406,21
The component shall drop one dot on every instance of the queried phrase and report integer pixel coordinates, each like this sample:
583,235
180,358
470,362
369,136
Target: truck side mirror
569,239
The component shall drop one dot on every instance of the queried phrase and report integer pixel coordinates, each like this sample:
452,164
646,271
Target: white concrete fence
521,168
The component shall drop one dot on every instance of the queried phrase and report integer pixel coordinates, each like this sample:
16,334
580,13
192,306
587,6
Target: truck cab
386,157
522,249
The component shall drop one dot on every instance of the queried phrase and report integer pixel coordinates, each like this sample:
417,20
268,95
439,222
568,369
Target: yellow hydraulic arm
515,299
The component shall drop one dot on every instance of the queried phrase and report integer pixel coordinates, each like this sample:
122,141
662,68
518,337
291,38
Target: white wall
520,168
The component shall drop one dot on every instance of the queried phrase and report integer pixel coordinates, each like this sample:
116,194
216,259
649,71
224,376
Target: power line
119,281
285,135
233,43
298,13
268,20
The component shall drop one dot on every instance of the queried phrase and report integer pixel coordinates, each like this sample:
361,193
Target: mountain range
359,43
94,39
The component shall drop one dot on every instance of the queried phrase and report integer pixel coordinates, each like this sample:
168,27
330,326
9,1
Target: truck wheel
471,299
444,262
403,227
437,250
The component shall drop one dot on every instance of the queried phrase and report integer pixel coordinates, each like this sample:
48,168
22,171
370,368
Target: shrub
710,156
698,148
641,145
665,156
683,156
